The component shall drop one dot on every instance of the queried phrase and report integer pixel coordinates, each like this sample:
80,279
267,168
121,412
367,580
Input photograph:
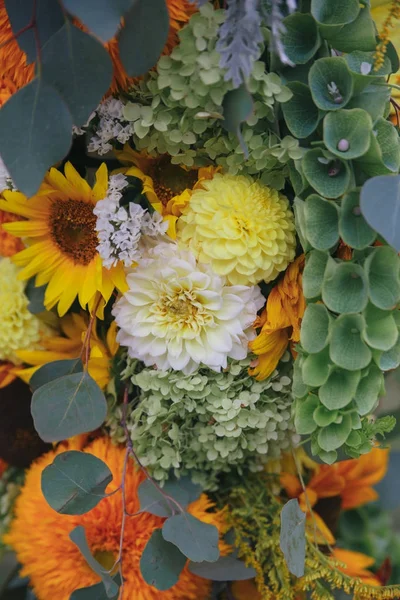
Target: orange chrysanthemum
280,321
9,244
14,67
40,536
349,480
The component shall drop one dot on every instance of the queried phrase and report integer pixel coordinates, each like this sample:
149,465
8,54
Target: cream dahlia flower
244,229
178,314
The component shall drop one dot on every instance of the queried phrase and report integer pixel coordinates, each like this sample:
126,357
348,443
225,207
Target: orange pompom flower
40,536
279,322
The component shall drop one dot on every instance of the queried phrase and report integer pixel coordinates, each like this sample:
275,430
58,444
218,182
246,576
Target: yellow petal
101,186
81,186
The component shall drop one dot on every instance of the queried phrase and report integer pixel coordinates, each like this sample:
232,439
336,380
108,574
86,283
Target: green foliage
293,537
95,592
53,370
322,222
301,37
237,107
68,406
105,21
144,35
380,204
35,296
161,503
78,537
194,538
161,562
75,482
329,176
347,132
331,83
226,568
301,114
315,328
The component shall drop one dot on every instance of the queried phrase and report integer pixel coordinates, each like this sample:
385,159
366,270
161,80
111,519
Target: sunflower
167,187
40,536
69,345
62,240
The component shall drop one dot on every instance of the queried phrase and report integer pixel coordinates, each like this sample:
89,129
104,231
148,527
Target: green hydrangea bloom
207,423
178,109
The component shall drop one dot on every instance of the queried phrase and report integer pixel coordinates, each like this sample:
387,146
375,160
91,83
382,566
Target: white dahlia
178,314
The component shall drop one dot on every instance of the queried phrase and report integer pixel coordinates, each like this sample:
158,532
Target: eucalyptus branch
86,342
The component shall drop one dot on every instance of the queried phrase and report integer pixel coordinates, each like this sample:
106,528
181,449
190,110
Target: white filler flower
178,314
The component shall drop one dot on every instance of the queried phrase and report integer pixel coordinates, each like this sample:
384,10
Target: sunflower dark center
171,180
73,229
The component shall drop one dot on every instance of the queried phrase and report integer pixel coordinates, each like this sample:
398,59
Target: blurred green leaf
161,562
194,538
293,537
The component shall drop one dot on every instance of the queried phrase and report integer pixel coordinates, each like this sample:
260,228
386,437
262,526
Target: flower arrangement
199,297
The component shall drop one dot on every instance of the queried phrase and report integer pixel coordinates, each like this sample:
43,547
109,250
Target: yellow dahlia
167,187
244,229
19,328
69,345
62,240
40,536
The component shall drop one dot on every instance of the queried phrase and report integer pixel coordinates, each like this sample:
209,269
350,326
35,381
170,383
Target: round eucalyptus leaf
347,348
368,389
390,359
331,83
324,417
353,228
322,222
357,35
340,389
381,331
314,272
371,164
389,142
316,368
361,64
303,415
315,328
298,208
347,132
380,205
373,99
299,388
345,290
335,435
301,38
393,56
382,268
329,177
301,114
339,12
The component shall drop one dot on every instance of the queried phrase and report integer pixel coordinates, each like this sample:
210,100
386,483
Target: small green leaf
340,389
331,83
373,99
183,490
382,268
337,13
299,389
313,275
75,482
298,208
54,370
347,348
389,142
102,17
381,332
357,35
300,37
237,107
25,122
79,68
380,206
161,562
368,391
347,132
195,539
35,296
78,537
301,114
293,537
303,417
68,406
350,277
361,64
153,501
330,178
226,568
335,435
324,417
315,328
143,36
390,359
94,592
322,222
353,228
316,368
